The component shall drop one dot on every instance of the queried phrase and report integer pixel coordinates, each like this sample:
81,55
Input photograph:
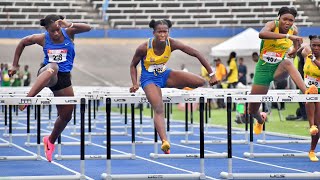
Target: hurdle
264,98
38,101
109,176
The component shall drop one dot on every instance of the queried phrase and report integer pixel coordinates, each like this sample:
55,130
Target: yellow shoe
312,90
165,147
313,156
313,130
257,129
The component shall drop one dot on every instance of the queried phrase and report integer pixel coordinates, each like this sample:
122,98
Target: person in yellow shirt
232,77
221,73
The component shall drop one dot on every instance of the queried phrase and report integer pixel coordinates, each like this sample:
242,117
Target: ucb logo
277,175
71,101
312,98
267,99
119,100
190,99
167,100
240,99
143,100
25,101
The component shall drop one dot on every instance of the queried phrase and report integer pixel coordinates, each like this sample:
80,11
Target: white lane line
139,157
43,158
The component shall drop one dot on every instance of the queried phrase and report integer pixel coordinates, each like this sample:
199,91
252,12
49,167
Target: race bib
57,55
272,57
311,80
159,68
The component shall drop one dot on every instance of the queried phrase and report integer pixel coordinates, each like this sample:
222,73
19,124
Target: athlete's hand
296,38
12,71
63,23
213,80
134,88
292,53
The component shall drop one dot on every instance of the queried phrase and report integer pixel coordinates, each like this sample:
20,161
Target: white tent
244,44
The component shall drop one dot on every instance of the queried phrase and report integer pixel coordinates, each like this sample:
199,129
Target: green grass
219,117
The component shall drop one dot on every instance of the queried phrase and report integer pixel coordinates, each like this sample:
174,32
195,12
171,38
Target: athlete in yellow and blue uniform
277,38
153,55
153,67
311,71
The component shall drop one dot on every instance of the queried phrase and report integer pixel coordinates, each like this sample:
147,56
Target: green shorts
264,73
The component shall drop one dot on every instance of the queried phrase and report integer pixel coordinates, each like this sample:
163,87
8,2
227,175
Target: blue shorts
160,79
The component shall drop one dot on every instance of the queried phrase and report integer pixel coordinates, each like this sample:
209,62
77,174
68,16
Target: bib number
57,55
311,81
159,68
272,57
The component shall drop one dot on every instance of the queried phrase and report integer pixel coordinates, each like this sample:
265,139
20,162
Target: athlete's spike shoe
165,147
312,90
312,156
257,129
313,130
48,148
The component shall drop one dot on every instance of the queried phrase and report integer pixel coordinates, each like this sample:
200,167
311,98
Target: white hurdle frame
265,98
139,99
38,101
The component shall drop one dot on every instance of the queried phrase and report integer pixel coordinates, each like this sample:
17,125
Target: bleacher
18,14
196,13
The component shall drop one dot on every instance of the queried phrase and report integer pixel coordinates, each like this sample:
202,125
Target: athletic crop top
311,72
63,53
274,50
154,63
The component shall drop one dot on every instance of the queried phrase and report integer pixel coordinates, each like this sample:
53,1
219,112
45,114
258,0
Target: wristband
313,58
287,36
71,25
211,74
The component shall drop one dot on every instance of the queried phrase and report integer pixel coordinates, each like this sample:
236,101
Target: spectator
232,77
242,68
26,76
1,68
5,76
16,78
221,73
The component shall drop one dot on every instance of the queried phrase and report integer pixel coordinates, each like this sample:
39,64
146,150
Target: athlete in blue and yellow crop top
58,48
153,56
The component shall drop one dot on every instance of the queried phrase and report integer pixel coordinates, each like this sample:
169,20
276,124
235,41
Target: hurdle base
94,157
153,176
100,134
87,143
171,133
260,141
226,175
129,142
224,132
188,156
19,158
214,142
277,155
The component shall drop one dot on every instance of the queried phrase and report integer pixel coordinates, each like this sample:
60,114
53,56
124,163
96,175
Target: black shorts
64,80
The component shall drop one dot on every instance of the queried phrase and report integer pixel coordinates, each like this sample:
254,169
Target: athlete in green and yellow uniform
277,38
311,71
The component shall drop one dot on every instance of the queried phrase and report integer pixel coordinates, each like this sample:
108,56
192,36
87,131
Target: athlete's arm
192,52
73,28
26,41
307,51
141,52
175,44
267,32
